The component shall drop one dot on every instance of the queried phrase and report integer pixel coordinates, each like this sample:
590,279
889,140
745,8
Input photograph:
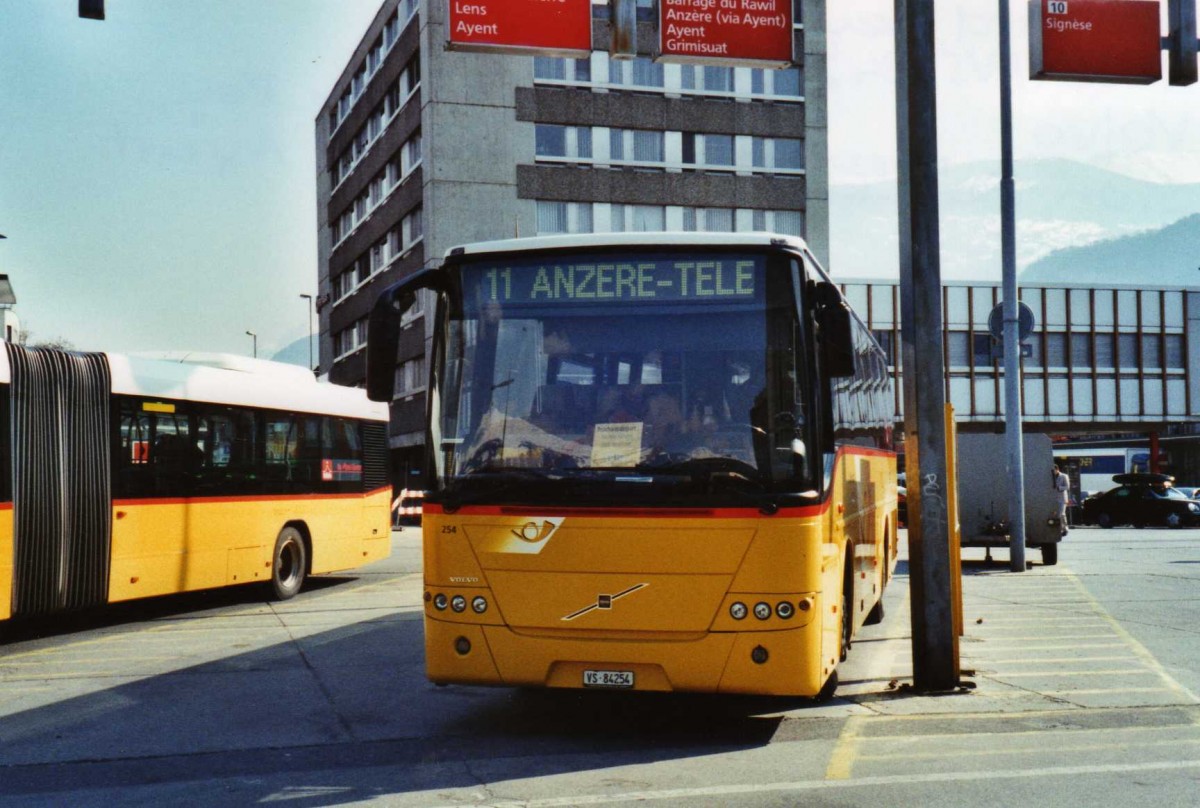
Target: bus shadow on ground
347,714
23,629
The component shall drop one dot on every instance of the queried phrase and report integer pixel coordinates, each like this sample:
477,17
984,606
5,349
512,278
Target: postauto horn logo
532,536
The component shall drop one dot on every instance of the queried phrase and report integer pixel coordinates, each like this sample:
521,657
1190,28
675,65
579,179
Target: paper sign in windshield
617,445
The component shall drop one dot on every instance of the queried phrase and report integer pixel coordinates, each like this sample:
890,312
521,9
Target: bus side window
341,454
281,447
173,454
225,438
133,475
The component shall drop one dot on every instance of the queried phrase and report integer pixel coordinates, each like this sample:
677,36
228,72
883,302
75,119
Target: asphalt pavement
227,698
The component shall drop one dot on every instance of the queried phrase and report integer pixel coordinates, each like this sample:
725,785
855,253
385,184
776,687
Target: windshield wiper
487,481
731,476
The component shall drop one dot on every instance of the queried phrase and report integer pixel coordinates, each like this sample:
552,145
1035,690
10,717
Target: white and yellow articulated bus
662,462
124,477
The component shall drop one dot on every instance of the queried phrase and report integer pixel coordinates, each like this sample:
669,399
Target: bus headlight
479,604
785,610
762,610
458,603
440,601
738,611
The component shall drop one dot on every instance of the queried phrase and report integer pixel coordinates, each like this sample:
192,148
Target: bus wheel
847,618
1049,554
288,564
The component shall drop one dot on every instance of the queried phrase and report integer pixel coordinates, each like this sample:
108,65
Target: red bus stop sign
1115,41
539,27
731,32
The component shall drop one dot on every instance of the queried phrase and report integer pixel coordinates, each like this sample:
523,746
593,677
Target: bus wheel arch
291,560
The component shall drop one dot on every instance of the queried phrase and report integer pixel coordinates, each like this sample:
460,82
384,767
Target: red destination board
540,27
734,32
1095,40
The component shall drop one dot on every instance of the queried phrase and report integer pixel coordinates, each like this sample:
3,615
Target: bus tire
1049,554
289,563
847,613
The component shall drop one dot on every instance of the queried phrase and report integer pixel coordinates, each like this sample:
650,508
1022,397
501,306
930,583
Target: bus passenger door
153,465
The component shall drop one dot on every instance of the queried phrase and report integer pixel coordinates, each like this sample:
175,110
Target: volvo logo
604,602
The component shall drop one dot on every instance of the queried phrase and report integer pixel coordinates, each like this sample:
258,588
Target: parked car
1139,500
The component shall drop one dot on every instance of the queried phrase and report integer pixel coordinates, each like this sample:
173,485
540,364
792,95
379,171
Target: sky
157,169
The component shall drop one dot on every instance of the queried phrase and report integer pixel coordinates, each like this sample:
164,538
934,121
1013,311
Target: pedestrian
1063,486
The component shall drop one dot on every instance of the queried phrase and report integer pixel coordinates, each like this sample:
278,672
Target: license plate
608,678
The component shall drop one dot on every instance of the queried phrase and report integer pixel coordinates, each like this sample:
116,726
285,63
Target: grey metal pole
1012,347
935,642
309,298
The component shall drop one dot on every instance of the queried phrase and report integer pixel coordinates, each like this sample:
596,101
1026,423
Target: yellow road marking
1031,660
1115,672
845,751
1139,650
943,754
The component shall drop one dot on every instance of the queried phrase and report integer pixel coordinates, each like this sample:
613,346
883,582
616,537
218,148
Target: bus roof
230,379
643,239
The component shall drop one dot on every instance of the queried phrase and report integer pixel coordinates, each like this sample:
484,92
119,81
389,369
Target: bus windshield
656,372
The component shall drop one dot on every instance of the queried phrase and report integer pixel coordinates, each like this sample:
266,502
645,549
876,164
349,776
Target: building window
410,79
410,377
637,145
1056,349
708,220
1081,351
563,141
787,222
714,151
637,218
350,339
549,68
1174,351
555,218
412,229
639,72
777,153
706,79
1127,353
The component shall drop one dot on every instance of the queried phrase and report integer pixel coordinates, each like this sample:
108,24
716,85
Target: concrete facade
482,171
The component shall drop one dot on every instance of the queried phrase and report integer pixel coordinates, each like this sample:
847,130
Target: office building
419,148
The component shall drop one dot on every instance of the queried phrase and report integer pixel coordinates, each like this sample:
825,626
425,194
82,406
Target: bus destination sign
1114,41
735,32
705,279
539,27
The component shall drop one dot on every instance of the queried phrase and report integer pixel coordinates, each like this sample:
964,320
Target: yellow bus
124,477
662,462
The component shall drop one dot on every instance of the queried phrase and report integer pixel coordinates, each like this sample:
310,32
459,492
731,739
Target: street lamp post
254,336
309,298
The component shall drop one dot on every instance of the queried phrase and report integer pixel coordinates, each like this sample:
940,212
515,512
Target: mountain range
1062,207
